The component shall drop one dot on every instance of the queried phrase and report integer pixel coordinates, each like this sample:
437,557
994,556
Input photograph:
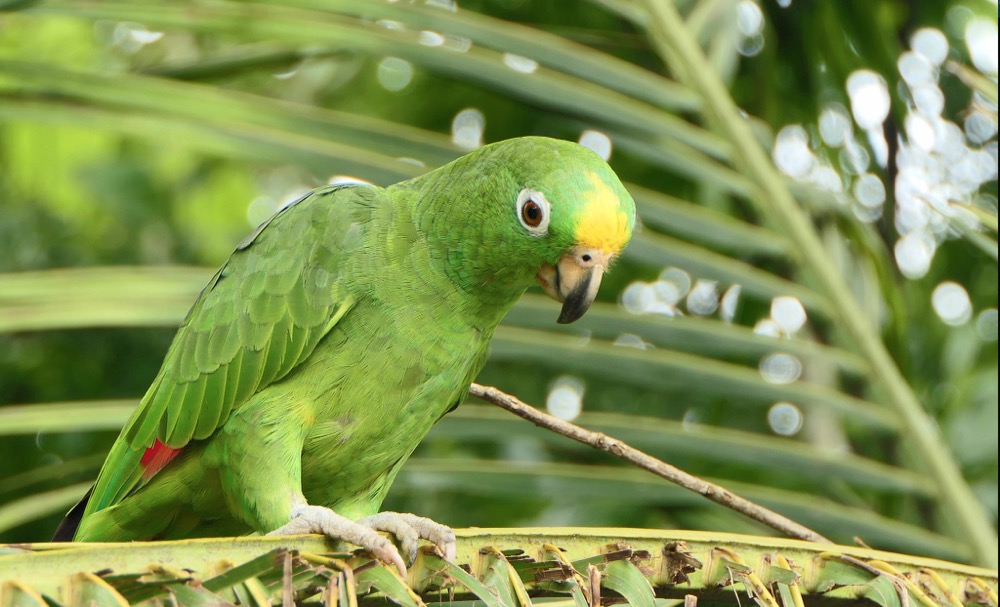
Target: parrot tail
67,528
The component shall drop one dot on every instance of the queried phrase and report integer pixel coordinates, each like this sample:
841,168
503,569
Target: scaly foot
407,528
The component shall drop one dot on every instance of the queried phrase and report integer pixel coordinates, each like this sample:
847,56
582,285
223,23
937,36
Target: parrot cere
337,334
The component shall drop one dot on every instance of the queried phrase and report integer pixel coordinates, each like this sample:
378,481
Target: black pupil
532,213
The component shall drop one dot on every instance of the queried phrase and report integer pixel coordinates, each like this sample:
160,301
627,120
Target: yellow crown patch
603,224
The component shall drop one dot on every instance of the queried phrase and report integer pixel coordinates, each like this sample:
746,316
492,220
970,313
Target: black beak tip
579,299
571,313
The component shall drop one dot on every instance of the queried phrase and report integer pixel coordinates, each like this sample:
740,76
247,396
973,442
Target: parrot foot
409,529
317,519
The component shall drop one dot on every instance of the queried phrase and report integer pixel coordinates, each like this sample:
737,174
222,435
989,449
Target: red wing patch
155,458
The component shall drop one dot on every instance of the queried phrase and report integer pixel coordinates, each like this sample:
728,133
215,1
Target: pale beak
574,281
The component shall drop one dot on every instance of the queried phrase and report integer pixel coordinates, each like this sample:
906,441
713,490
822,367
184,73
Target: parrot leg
407,528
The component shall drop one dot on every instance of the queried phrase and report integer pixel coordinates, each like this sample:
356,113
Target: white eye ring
541,228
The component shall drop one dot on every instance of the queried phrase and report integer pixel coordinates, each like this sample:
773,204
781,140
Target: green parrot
337,334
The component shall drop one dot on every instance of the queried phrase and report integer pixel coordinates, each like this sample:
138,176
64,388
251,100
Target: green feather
144,425
275,351
337,333
235,378
224,343
214,406
183,413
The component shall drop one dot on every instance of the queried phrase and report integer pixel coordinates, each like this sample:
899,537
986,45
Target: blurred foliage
153,135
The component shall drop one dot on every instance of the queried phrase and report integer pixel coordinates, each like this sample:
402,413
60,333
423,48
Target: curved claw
317,519
410,528
406,536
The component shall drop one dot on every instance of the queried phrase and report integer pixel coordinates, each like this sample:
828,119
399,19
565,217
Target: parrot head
534,209
593,224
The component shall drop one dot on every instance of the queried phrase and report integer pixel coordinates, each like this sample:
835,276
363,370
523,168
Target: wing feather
261,315
274,351
234,379
178,426
213,407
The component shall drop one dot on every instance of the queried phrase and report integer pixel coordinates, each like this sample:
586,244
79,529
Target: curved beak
575,280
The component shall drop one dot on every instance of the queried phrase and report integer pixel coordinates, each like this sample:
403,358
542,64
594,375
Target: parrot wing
261,315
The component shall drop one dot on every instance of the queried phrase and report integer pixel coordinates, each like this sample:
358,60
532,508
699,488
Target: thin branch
645,461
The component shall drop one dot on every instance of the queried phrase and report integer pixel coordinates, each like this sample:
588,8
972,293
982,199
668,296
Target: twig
632,455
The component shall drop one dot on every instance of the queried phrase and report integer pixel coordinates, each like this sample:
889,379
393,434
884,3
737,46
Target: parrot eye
533,211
